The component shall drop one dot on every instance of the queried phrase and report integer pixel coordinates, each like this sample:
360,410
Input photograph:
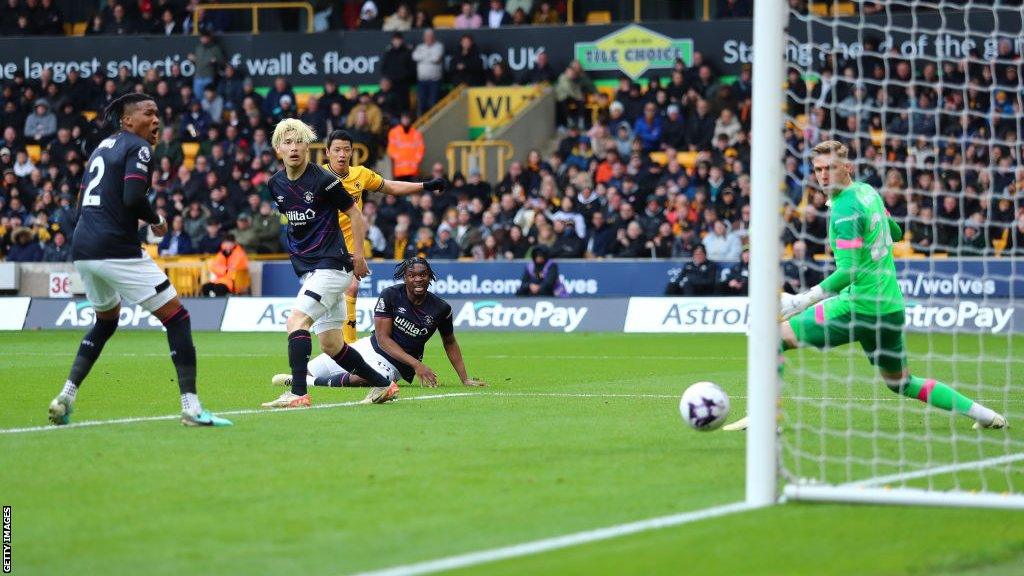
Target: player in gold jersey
358,180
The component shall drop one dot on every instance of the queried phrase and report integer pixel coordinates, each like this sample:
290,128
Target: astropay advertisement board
521,314
732,315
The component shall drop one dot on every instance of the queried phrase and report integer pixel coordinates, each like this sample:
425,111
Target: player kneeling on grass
405,317
861,301
107,255
310,198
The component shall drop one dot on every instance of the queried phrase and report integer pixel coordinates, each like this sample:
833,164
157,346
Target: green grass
356,488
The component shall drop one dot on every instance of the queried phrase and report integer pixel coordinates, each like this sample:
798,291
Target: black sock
352,362
183,352
300,346
90,348
337,381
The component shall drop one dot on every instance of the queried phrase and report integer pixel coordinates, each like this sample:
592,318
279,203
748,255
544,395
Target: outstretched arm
400,188
451,348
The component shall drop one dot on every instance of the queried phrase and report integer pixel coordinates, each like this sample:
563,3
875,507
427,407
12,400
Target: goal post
928,97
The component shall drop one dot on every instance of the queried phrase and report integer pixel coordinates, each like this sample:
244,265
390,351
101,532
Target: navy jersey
311,205
107,228
413,325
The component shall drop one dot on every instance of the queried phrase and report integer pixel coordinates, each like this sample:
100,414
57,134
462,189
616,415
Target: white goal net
927,97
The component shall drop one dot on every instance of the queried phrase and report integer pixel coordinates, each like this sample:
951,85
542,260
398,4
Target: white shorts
323,366
137,280
322,298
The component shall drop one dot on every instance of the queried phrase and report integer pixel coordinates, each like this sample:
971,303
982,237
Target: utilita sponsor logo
489,314
955,285
83,314
969,314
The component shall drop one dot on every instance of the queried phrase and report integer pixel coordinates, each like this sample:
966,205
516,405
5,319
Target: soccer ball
704,406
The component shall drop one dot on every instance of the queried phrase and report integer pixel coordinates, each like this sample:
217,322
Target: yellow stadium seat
843,9
819,9
89,114
999,244
444,21
877,136
79,28
302,100
599,17
191,150
34,151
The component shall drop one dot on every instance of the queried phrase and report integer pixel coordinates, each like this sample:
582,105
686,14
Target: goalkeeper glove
790,305
435,185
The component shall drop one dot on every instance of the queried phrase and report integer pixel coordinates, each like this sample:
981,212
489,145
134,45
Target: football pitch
574,433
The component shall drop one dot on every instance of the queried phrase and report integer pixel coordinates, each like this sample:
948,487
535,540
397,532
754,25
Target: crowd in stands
658,169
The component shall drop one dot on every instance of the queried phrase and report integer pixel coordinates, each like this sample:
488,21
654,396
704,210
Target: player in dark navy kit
310,198
112,264
405,317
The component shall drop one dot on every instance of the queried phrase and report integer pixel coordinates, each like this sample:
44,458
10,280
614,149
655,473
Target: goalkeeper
861,301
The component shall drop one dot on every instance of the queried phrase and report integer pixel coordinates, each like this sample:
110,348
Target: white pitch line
557,542
134,420
937,470
72,353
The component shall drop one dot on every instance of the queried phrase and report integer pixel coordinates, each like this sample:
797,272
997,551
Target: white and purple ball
704,406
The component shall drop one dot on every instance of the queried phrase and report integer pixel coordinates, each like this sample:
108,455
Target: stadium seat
686,159
191,150
599,17
819,9
843,9
89,114
999,244
444,21
877,137
34,151
302,100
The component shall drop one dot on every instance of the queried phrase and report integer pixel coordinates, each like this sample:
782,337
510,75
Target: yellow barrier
255,7
460,153
604,16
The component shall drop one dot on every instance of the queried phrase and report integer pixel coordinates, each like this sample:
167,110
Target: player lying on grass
405,317
310,198
861,301
359,180
112,264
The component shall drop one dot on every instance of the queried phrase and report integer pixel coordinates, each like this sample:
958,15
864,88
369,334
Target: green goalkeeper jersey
861,234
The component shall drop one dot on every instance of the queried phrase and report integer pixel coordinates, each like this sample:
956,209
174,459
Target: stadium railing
255,7
467,154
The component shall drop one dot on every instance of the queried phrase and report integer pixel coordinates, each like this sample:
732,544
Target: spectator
118,23
41,125
229,269
369,16
631,241
446,248
169,25
280,88
663,242
541,71
698,277
734,9
57,250
737,281
467,19
545,14
722,245
25,247
497,16
541,276
177,241
800,274
648,127
212,103
245,234
210,242
397,65
465,66
499,75
429,58
207,57
400,21
568,244
406,149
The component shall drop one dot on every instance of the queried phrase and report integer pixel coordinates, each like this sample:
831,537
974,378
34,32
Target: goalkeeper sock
943,396
336,381
348,331
300,346
89,351
352,361
183,352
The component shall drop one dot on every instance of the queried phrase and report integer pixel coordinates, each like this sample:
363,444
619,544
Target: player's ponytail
407,264
115,110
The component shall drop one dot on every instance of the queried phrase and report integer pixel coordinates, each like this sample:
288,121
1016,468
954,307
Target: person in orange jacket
405,148
225,267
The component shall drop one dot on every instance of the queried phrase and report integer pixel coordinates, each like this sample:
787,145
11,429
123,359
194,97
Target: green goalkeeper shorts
832,323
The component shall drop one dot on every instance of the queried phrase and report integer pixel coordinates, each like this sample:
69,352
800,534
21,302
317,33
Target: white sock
190,404
70,390
981,413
